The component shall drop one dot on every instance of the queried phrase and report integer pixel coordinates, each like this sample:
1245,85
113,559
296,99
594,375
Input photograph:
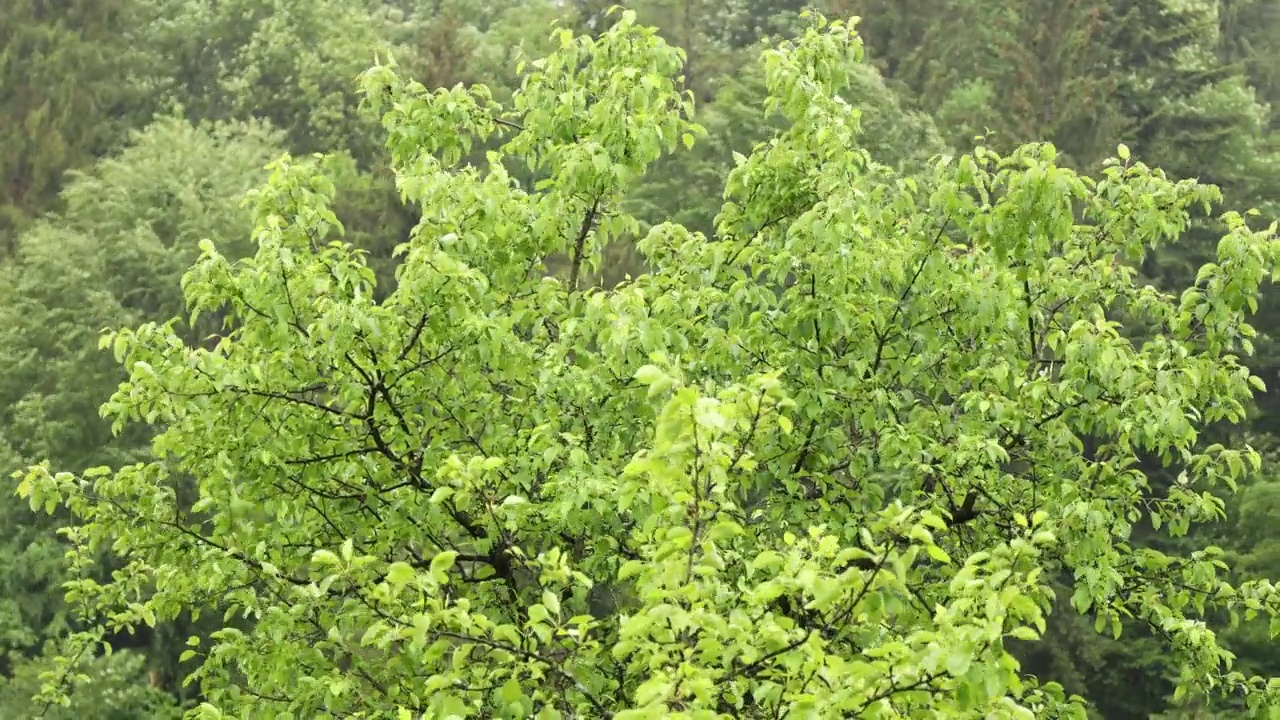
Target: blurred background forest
131,129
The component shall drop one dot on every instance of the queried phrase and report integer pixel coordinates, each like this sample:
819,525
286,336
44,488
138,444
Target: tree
112,687
50,315
290,62
1249,29
444,42
68,89
687,187
149,205
822,463
114,256
1169,80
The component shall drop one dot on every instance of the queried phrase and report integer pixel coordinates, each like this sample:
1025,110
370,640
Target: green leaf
538,613
784,423
324,557
442,563
649,375
938,554
400,574
1024,633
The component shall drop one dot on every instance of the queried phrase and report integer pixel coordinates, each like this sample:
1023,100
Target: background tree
115,255
291,62
67,93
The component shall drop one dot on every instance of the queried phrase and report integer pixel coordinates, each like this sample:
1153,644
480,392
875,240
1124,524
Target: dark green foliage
291,62
68,89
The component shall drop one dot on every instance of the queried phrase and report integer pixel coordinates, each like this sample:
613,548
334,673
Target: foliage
149,205
49,317
112,687
290,62
686,188
1254,539
66,94
130,228
823,463
1176,82
114,256
50,313
446,42
1201,118
1250,35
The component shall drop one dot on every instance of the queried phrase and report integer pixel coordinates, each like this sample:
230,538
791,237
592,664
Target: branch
587,223
754,667
882,338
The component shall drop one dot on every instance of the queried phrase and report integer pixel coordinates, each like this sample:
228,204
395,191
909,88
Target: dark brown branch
580,242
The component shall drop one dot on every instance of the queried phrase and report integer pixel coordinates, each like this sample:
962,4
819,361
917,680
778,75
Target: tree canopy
830,460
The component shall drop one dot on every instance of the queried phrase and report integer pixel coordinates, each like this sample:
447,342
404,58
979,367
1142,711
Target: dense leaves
288,61
825,461
66,91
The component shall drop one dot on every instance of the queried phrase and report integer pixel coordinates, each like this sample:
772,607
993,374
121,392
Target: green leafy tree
68,89
699,28
1171,79
687,188
111,687
129,227
823,463
148,206
445,42
1200,117
1252,539
116,255
1014,72
1250,33
440,44
290,62
51,311
749,21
